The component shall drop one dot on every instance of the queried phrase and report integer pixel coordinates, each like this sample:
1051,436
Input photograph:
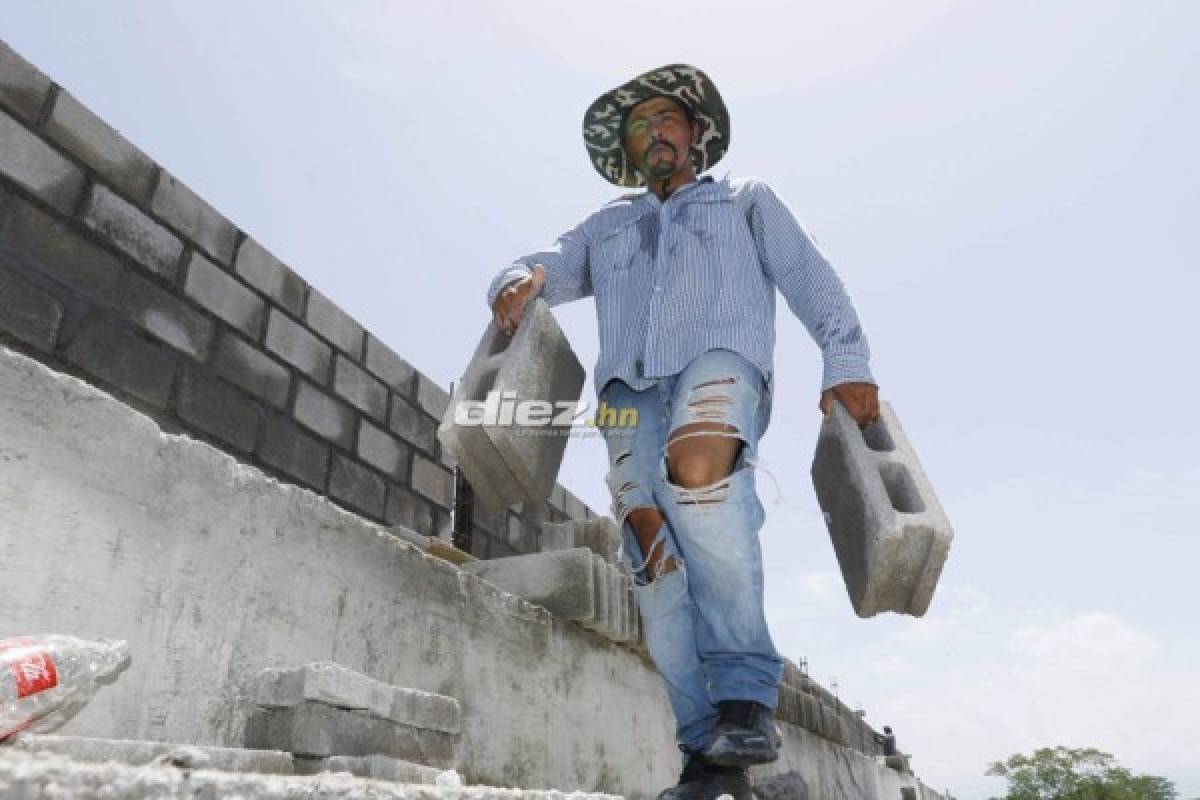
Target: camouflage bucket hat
602,121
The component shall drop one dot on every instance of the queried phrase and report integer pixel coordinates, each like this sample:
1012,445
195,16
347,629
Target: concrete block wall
113,270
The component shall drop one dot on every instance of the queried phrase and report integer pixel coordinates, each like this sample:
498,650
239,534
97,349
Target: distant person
887,740
684,274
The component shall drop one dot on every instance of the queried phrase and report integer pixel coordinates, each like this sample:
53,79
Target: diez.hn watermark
541,417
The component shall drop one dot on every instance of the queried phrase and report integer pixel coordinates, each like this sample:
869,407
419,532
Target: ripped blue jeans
704,622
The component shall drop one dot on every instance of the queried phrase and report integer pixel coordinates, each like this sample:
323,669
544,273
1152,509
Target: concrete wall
113,270
213,570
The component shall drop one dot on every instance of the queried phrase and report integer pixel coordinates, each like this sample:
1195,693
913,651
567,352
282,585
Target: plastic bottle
46,680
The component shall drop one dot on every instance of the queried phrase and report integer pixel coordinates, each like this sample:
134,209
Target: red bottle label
31,666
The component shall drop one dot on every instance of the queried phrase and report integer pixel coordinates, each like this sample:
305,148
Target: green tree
1062,773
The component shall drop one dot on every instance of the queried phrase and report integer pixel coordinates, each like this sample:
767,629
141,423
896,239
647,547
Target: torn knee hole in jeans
717,491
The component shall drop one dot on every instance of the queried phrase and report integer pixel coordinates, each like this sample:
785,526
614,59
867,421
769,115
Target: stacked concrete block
600,569
505,461
575,584
324,710
888,529
600,535
561,581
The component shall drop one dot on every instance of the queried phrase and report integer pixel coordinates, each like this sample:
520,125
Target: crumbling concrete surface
35,776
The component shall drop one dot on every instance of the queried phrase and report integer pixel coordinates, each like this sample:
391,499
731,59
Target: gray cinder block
560,581
335,685
505,462
599,619
315,729
27,160
600,535
888,529
189,214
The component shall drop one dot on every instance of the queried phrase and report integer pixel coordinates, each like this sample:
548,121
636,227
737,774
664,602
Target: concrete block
888,529
431,397
103,149
270,276
560,581
324,414
390,368
412,424
335,685
380,768
409,510
57,250
132,232
218,409
616,608
383,451
161,314
109,351
599,618
334,324
791,674
435,712
575,508
323,682
136,752
251,369
356,486
35,165
29,313
508,463
186,212
600,535
316,729
225,296
363,392
292,342
431,480
22,87
292,451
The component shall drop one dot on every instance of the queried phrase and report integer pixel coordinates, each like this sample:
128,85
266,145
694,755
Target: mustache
660,143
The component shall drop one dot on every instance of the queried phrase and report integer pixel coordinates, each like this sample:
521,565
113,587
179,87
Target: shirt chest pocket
713,222
615,251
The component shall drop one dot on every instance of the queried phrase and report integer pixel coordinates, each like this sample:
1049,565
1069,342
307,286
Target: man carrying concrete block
684,276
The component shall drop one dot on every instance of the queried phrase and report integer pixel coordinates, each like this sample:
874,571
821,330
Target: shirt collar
650,198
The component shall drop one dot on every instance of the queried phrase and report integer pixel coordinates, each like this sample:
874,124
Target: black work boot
695,770
745,735
701,780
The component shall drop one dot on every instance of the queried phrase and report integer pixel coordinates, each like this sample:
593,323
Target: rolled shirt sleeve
811,288
568,276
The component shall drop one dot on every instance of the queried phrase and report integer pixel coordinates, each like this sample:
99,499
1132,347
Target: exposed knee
701,453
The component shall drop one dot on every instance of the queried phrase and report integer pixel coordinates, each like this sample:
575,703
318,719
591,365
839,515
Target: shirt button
640,367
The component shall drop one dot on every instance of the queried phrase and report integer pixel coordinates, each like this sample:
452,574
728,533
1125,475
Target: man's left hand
860,399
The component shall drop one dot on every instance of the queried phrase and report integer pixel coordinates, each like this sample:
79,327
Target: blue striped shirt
676,278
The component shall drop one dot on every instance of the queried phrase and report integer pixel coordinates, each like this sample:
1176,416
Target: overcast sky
1010,191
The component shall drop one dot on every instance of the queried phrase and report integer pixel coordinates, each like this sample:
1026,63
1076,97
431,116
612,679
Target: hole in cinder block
486,381
901,489
877,437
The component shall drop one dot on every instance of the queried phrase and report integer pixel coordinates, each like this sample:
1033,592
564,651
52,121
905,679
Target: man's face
658,137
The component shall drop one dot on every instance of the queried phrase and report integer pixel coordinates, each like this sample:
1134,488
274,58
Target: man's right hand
510,303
